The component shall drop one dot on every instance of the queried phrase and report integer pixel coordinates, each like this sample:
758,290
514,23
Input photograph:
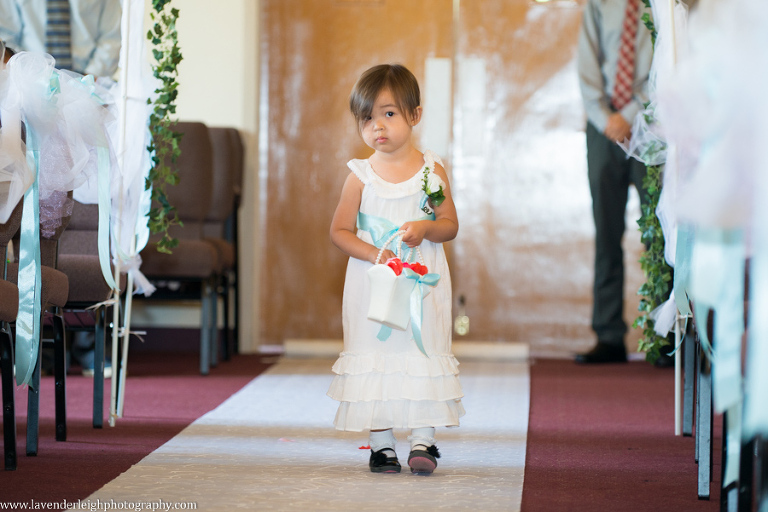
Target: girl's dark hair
395,77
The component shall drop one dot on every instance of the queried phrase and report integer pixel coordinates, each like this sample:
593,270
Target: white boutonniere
433,187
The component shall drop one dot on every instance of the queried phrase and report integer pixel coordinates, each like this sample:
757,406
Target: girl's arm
344,221
446,223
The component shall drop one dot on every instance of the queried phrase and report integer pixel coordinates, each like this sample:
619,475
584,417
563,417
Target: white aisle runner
272,446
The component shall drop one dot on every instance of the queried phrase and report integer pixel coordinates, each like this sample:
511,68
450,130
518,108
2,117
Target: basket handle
390,240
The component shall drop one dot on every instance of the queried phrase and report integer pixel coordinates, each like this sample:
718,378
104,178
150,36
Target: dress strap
430,158
360,169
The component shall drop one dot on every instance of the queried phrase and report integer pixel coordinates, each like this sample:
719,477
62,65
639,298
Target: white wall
218,85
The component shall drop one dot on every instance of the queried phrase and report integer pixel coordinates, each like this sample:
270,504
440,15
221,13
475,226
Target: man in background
82,35
614,61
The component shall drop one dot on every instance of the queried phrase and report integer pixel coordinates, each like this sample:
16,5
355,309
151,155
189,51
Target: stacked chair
232,229
207,197
193,260
225,162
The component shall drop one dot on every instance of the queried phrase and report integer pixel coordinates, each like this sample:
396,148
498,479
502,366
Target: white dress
391,384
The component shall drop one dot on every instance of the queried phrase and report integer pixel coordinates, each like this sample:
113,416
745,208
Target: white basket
390,300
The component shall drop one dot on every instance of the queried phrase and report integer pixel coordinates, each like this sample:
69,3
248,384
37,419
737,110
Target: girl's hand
414,232
384,256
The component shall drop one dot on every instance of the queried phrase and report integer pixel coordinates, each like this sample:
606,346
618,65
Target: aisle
272,446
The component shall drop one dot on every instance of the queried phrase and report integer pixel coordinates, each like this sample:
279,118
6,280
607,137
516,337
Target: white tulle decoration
64,113
709,106
650,142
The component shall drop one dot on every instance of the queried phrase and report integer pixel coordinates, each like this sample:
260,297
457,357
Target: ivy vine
648,21
657,273
164,143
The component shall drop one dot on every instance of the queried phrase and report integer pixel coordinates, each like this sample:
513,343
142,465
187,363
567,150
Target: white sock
383,440
422,438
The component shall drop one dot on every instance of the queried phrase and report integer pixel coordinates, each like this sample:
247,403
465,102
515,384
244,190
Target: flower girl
391,378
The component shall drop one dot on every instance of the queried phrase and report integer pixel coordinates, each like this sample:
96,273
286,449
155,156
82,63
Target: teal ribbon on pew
382,230
29,282
717,282
105,194
733,445
683,248
105,204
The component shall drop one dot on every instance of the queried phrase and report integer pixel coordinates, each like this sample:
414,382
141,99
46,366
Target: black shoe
604,353
381,463
423,462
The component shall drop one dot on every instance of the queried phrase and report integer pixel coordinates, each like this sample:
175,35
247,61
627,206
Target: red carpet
164,394
601,438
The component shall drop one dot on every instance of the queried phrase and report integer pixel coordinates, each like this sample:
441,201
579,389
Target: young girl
385,382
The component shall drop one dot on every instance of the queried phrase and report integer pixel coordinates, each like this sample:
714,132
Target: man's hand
617,128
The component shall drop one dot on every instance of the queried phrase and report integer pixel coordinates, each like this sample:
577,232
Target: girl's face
388,129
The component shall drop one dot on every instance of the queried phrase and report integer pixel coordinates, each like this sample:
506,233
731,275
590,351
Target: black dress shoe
380,462
423,462
604,353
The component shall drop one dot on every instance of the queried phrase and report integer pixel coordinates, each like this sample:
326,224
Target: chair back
223,196
9,230
192,195
238,160
82,234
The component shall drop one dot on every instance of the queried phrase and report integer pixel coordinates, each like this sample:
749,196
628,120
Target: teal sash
382,229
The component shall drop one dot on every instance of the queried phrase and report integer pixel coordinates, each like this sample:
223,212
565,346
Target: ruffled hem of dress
383,387
363,170
375,415
416,365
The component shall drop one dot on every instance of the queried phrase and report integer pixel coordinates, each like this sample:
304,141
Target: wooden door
515,152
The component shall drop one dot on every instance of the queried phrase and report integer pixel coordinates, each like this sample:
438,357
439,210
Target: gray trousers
610,174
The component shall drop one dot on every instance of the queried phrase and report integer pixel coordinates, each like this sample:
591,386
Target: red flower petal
396,265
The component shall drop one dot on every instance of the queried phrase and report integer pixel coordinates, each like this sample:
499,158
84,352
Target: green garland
164,143
646,18
657,273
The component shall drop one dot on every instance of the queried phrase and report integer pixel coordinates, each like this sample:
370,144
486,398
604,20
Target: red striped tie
625,67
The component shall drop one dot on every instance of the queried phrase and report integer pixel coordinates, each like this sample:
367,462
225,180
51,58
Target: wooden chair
223,206
9,308
238,160
194,260
55,288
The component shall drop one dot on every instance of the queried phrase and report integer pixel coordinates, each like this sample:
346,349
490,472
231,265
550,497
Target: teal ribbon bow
417,302
104,199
